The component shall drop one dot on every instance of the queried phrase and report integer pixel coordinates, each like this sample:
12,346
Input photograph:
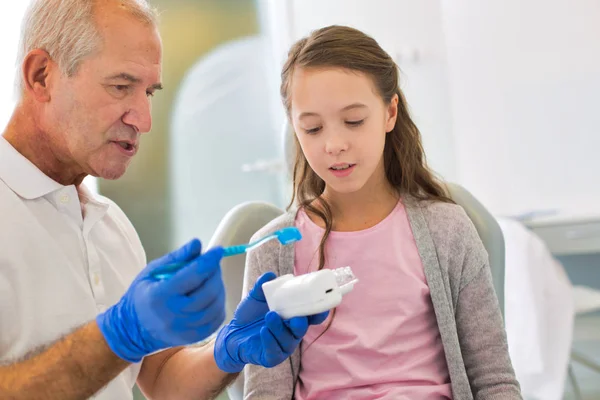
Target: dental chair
490,233
244,220
236,227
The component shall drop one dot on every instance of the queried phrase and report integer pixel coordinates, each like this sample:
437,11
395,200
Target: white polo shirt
58,269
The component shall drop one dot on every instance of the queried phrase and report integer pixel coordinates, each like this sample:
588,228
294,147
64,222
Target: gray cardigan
466,307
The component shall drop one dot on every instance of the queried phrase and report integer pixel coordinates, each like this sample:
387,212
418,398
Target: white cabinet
569,235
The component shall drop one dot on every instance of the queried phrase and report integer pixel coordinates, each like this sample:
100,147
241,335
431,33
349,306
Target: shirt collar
88,197
22,176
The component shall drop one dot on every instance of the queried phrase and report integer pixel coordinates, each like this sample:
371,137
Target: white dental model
313,293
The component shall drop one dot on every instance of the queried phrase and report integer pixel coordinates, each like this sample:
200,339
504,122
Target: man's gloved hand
259,336
183,309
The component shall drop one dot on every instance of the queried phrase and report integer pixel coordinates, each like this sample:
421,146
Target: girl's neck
363,209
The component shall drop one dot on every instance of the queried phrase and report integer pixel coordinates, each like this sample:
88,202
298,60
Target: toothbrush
285,236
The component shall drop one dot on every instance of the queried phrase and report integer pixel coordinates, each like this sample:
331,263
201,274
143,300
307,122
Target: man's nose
140,114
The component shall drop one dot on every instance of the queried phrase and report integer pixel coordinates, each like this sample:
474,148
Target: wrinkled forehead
128,45
123,33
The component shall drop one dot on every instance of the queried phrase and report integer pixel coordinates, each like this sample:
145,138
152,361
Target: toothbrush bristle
289,235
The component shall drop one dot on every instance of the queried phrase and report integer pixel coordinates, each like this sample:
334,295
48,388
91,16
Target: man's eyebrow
125,76
157,86
128,77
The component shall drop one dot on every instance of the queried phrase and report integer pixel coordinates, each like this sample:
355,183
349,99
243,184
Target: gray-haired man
80,313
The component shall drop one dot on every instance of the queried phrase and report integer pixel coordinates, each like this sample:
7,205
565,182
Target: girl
423,322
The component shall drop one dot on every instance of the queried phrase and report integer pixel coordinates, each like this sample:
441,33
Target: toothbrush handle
168,270
234,250
243,248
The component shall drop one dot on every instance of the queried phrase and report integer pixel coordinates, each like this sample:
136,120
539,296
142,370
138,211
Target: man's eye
121,88
149,93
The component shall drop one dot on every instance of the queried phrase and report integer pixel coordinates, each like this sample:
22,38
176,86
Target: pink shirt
384,342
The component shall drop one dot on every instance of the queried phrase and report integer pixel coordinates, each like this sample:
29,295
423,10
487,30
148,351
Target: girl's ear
391,114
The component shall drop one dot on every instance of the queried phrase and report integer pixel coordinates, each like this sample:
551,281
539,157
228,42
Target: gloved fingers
185,253
194,275
318,318
213,281
202,298
210,318
208,325
297,326
257,292
285,336
214,321
186,335
250,310
271,350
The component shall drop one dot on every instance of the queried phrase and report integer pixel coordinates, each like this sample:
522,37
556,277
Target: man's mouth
125,145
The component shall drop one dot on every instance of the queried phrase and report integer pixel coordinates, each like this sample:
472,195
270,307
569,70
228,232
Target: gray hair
66,30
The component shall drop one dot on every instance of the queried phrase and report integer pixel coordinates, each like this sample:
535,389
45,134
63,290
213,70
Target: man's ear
391,114
36,69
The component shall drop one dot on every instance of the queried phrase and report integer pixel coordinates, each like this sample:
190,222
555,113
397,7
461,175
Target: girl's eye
313,130
355,123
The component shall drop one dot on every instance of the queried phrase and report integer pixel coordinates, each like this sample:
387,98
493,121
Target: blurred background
504,93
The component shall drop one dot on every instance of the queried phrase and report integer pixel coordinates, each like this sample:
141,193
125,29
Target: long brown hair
404,159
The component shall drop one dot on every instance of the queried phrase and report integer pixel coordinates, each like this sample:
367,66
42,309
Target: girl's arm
481,333
265,383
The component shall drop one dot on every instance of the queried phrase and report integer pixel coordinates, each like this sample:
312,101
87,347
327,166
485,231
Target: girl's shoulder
453,234
447,217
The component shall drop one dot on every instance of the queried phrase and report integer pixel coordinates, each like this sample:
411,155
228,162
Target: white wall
401,27
221,121
505,92
525,79
10,24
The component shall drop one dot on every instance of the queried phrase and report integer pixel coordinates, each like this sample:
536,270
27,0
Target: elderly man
80,312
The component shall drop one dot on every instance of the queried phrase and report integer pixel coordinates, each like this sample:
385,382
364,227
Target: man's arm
152,315
254,336
183,373
75,367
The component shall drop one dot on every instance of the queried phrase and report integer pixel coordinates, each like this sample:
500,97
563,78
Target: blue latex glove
154,315
259,336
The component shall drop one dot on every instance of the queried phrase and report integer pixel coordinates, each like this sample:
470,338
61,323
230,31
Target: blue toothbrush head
288,235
